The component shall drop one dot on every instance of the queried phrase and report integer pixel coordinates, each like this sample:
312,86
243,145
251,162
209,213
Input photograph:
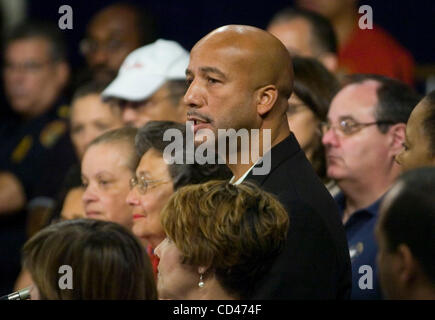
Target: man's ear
397,137
267,96
407,265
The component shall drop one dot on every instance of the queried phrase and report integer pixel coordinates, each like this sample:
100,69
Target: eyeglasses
90,46
26,67
143,184
347,127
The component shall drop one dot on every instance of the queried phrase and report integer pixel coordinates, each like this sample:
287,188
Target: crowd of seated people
111,181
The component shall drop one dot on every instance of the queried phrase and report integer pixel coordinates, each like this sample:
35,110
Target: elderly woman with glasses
156,180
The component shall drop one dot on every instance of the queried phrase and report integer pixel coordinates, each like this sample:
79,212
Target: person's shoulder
54,125
383,39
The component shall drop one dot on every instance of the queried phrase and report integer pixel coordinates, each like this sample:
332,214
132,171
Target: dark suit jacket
315,263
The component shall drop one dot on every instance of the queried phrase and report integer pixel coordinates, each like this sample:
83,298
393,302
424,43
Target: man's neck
277,135
362,193
239,170
36,112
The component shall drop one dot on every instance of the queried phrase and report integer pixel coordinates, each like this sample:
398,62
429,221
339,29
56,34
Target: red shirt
375,51
154,259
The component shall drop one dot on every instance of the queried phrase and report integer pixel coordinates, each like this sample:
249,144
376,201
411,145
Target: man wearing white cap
151,83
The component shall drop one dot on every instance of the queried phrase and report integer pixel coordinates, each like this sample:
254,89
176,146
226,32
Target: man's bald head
262,56
239,77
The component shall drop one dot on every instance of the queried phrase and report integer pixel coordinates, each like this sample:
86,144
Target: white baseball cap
146,69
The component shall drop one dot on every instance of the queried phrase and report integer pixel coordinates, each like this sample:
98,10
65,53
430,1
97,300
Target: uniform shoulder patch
22,149
63,111
52,132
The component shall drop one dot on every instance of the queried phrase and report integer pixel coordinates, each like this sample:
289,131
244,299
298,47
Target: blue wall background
411,22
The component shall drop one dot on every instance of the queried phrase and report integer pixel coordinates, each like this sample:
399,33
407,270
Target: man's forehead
40,47
215,47
222,57
295,35
114,20
113,28
356,97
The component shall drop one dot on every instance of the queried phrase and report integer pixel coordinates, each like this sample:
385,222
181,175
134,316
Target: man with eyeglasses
364,132
150,84
35,150
111,35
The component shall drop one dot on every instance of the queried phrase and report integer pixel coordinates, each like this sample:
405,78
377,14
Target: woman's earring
201,281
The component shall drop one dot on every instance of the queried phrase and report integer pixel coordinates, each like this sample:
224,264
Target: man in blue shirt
364,132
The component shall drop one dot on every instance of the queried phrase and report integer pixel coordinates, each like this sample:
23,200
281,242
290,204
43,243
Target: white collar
244,175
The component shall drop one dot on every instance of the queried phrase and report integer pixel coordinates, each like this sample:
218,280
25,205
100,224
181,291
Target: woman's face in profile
147,204
175,280
304,124
90,118
416,148
106,177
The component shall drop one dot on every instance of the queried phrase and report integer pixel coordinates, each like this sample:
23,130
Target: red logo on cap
135,65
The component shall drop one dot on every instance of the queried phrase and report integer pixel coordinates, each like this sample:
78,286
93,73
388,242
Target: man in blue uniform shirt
35,147
364,132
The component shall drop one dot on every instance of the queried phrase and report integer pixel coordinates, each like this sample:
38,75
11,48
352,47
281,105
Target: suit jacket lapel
279,153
